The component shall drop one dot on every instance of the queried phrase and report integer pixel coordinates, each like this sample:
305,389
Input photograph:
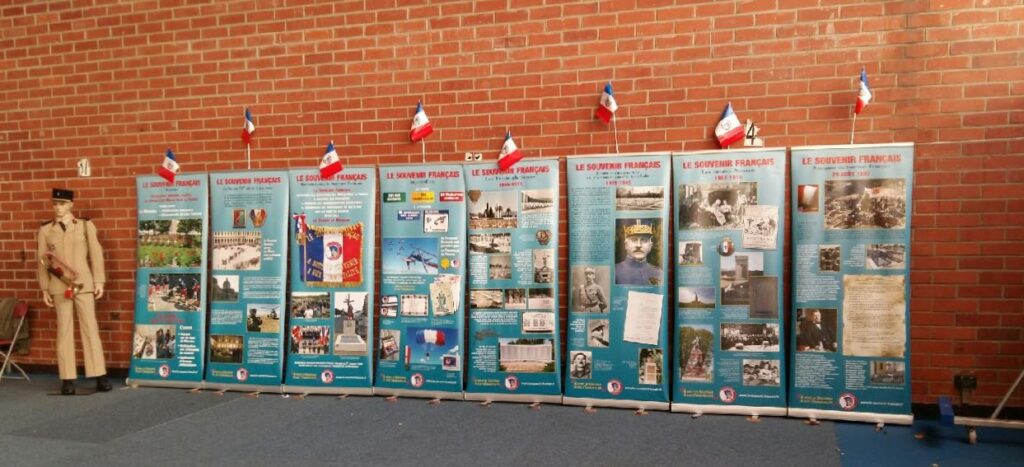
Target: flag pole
615,132
853,127
423,145
248,158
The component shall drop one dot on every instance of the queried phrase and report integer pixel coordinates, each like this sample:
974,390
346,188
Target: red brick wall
118,82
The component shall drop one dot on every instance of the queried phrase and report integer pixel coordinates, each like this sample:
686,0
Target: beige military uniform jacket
76,244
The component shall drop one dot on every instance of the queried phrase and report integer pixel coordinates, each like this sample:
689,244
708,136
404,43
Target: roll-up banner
330,307
248,265
730,218
513,283
850,349
170,290
618,299
423,279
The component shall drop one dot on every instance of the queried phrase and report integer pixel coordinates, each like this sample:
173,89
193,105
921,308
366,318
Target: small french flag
510,153
170,167
729,129
864,95
248,128
330,163
421,127
606,109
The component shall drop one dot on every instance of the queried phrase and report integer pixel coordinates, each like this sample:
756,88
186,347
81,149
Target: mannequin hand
47,299
98,291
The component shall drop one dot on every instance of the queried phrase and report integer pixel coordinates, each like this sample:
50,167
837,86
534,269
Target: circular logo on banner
543,236
327,376
847,401
333,250
416,380
614,387
446,263
727,395
242,374
164,371
511,383
726,247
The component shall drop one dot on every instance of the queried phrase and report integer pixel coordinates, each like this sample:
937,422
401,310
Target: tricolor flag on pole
864,95
606,109
421,127
510,153
729,129
170,167
330,163
248,128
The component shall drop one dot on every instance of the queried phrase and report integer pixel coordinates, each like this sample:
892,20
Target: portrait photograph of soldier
172,243
589,289
639,198
816,330
878,203
580,364
715,206
598,333
638,255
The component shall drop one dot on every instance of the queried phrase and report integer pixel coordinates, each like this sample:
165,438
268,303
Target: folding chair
20,312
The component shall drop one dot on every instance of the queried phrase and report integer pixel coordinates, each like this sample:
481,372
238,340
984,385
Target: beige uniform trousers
92,348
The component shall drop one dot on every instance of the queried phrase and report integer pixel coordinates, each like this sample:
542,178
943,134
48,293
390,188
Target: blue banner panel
850,346
618,298
330,306
423,279
730,218
513,282
247,312
170,289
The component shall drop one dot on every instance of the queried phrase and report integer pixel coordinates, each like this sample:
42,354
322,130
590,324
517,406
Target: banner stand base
879,418
276,389
162,383
455,396
328,390
615,403
521,398
729,410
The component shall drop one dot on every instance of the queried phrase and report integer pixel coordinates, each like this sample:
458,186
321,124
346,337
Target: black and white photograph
226,348
590,289
760,226
691,253
718,205
886,256
311,340
580,362
816,330
154,342
888,372
598,333
876,203
499,267
171,243
487,298
541,299
492,209
490,243
736,271
173,292
413,304
750,337
638,255
696,353
807,198
263,318
390,343
435,221
648,366
236,251
515,299
444,298
639,198
224,288
696,297
389,306
764,297
543,266
526,355
310,305
538,322
829,258
757,372
536,201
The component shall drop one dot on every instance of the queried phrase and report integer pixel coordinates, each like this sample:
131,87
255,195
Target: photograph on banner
168,341
249,220
851,248
330,306
729,269
423,276
618,297
513,346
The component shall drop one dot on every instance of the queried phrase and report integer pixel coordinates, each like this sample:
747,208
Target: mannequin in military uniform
71,278
634,269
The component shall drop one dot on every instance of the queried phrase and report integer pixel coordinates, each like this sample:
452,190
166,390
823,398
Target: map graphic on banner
170,298
248,268
513,282
423,277
728,334
330,307
850,349
618,297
